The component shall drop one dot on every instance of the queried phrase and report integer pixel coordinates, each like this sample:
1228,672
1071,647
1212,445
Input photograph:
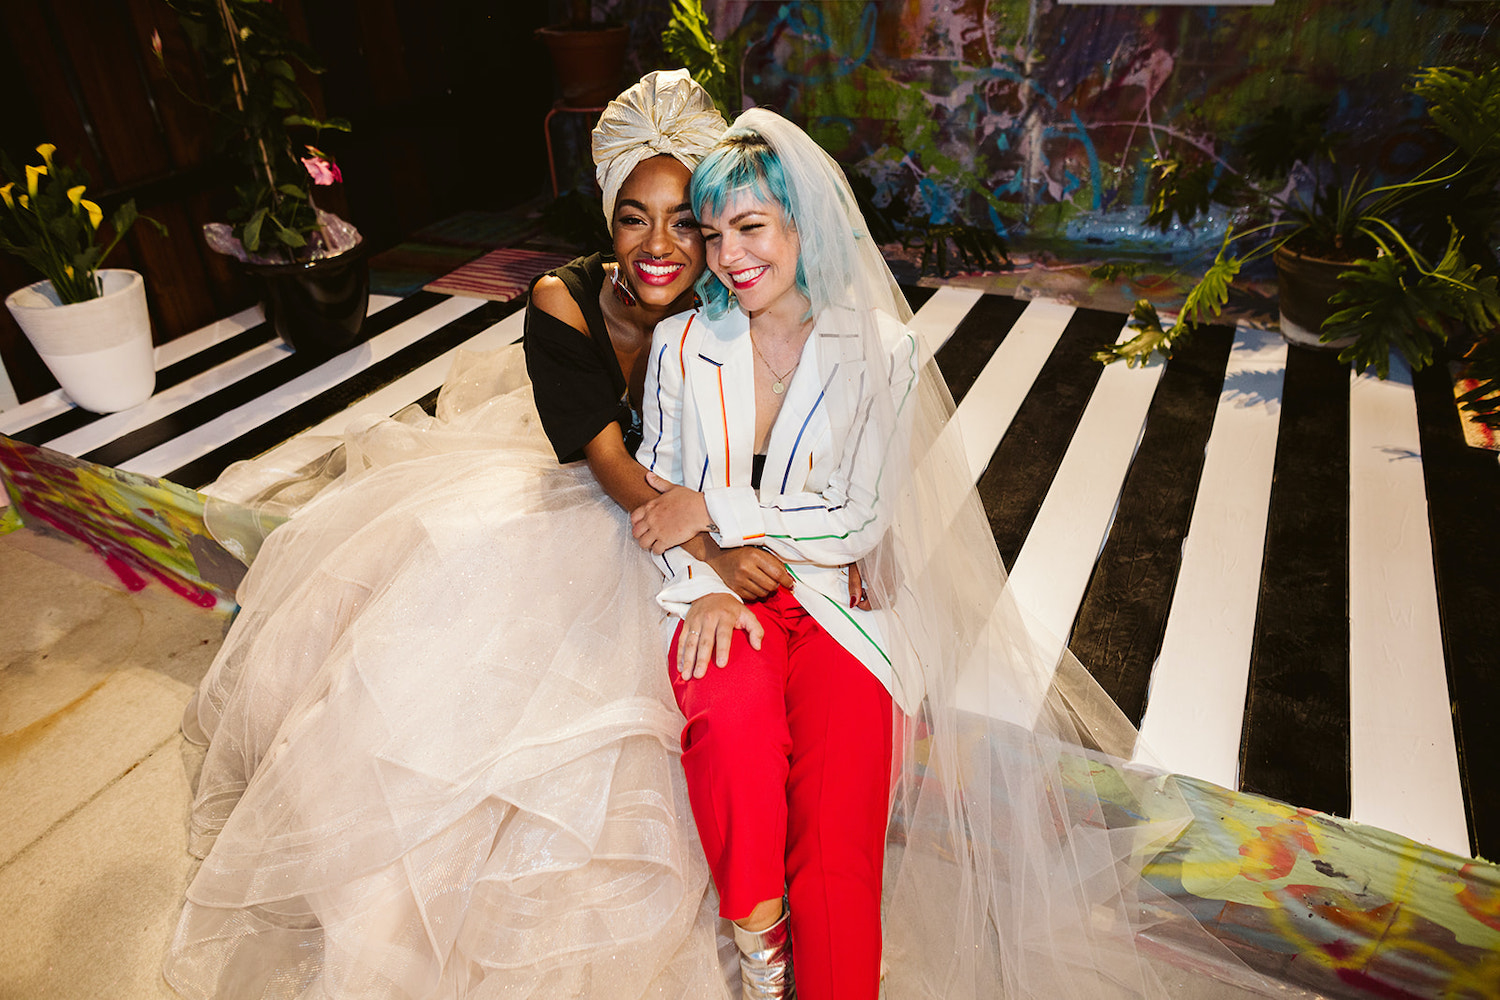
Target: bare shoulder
552,297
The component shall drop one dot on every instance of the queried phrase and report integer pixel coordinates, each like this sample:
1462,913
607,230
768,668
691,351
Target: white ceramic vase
100,350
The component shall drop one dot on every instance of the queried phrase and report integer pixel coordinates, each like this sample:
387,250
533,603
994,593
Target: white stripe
206,437
34,411
114,425
980,421
1403,762
1196,706
940,315
107,428
322,438
189,344
991,403
1057,559
8,398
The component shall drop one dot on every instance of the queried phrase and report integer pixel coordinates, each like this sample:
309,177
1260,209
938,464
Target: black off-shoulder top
576,378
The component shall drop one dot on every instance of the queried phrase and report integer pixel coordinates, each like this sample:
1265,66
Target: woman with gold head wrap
442,756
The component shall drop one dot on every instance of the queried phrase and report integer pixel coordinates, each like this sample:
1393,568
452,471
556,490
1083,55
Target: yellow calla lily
5,194
23,201
47,149
75,194
32,174
96,214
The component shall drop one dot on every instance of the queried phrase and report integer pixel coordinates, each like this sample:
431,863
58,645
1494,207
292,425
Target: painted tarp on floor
143,528
1347,908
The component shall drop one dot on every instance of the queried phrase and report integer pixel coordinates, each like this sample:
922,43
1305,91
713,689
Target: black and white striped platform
1289,576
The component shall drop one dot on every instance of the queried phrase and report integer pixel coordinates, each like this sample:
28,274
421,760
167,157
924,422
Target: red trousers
787,751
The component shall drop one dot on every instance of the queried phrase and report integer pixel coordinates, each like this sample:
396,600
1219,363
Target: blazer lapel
724,391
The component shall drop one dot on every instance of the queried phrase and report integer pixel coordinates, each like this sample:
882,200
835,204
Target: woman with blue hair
787,751
919,751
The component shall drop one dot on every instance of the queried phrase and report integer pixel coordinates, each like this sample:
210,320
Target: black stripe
216,354
428,403
1295,744
1463,506
975,338
199,412
206,469
173,374
1120,624
917,295
1020,472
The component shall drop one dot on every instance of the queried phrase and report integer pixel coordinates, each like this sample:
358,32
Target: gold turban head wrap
665,113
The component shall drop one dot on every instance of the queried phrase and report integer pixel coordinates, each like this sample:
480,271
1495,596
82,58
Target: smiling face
752,248
656,237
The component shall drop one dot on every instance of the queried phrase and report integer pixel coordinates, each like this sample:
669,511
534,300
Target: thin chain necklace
779,386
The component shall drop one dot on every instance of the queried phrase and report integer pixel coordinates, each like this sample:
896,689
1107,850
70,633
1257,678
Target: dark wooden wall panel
446,96
100,40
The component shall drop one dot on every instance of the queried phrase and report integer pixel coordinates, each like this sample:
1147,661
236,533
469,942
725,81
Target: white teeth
659,270
741,277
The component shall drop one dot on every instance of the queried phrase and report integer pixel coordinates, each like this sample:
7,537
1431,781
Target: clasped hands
676,516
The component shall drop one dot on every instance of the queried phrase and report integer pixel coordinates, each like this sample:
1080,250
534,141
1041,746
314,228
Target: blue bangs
742,163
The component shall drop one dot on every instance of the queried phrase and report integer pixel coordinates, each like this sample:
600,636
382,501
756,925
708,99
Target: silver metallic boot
766,961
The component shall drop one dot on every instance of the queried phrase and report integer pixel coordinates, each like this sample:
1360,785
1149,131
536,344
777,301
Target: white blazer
699,431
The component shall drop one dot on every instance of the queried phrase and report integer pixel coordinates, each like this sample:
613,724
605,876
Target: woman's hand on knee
708,630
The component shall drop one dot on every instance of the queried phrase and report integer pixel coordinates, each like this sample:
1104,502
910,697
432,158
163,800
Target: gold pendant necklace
779,386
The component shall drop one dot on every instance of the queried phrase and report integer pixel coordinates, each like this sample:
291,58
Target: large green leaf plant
1419,251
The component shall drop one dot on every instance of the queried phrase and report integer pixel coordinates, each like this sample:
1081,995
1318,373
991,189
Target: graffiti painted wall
1041,119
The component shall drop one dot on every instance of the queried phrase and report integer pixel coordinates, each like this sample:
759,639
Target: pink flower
322,172
156,43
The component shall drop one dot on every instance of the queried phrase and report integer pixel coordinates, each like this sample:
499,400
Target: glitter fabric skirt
442,750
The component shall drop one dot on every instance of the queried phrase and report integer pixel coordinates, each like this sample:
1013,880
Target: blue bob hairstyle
742,163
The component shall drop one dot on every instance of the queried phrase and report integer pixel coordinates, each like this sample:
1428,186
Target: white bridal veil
1018,833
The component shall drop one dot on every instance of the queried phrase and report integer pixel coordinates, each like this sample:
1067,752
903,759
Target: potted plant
90,326
1364,266
314,275
689,41
588,58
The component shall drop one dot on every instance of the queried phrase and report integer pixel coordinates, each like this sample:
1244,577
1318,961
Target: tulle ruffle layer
442,747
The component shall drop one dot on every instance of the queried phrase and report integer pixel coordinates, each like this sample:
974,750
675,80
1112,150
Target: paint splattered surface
145,529
1352,908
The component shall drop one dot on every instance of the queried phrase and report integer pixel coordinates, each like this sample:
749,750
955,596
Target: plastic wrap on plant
335,237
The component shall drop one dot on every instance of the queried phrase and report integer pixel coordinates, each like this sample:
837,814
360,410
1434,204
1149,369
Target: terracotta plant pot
588,63
319,306
1303,286
100,350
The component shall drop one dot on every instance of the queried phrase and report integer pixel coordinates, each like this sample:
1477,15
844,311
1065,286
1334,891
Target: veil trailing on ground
1018,832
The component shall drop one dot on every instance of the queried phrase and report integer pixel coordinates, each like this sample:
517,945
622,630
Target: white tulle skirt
442,746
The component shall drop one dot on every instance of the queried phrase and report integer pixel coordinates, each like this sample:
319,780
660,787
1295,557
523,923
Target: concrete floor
94,775
95,778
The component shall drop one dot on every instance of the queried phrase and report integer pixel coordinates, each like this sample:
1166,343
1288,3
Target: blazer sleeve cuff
690,580
736,515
